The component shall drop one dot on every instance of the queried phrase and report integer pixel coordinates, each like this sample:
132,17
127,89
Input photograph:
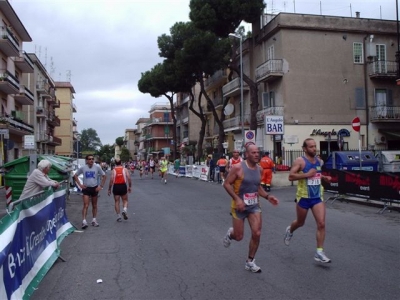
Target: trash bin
389,161
350,160
18,171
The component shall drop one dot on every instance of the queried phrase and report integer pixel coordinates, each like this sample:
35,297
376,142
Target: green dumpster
18,171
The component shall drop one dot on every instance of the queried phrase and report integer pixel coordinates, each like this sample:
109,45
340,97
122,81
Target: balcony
270,111
8,83
74,109
53,140
234,124
386,114
185,120
43,87
53,120
8,43
217,79
25,96
56,103
41,112
270,70
41,137
232,88
382,69
15,125
74,122
217,101
24,63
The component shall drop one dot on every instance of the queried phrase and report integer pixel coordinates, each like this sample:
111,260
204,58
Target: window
360,98
358,56
270,53
268,99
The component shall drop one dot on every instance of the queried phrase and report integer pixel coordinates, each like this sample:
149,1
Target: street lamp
238,36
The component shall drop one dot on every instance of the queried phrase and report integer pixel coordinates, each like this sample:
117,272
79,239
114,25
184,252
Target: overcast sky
105,45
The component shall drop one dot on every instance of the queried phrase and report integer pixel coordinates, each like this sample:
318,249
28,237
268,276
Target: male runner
243,185
307,170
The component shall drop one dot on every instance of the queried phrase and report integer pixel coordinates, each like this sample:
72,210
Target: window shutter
359,98
389,98
265,99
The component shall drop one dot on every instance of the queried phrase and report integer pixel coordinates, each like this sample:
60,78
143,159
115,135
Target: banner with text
29,242
365,184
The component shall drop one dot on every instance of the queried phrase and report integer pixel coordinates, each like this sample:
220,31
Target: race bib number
315,180
250,198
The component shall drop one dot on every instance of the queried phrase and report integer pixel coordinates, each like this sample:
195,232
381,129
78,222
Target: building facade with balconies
319,72
43,113
158,130
140,136
67,131
14,95
130,143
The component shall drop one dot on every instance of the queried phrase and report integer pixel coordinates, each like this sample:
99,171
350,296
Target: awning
392,134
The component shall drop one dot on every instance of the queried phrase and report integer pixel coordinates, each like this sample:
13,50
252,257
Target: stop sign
356,124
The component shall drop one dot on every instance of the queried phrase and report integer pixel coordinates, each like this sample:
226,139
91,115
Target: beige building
14,122
67,131
319,73
130,142
140,136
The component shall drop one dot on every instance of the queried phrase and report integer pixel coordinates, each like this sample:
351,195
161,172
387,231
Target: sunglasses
90,159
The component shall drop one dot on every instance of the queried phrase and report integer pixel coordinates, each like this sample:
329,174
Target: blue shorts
249,209
307,203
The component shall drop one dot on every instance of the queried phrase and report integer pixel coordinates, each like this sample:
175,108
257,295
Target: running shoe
227,238
119,219
84,225
251,266
288,236
321,257
95,224
125,215
165,181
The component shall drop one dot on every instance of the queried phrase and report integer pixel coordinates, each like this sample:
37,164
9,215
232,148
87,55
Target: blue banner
29,243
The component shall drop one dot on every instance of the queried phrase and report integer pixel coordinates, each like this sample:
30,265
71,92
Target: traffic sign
356,123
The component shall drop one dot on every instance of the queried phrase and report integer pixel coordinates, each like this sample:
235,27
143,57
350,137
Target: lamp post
241,85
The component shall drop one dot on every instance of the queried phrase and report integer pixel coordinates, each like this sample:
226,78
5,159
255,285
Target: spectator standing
90,188
38,180
222,163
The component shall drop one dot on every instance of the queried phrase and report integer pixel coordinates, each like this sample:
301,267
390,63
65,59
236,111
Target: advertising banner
29,243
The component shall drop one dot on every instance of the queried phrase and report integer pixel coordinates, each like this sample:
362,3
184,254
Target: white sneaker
125,215
288,236
84,224
227,238
321,257
251,266
165,181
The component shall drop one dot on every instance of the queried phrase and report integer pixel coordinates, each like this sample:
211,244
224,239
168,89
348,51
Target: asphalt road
171,248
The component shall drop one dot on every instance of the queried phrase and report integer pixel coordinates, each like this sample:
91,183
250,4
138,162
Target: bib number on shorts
250,198
315,180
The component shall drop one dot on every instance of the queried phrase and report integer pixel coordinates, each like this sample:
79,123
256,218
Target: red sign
356,123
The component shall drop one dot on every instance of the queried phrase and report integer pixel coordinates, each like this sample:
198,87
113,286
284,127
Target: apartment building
319,72
158,130
14,123
140,136
131,143
67,131
43,114
187,123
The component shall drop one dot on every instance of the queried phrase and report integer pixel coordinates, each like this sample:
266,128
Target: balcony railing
383,69
270,111
9,45
53,140
9,84
271,69
43,87
41,112
216,79
15,123
74,109
232,88
42,137
25,96
385,114
235,123
24,63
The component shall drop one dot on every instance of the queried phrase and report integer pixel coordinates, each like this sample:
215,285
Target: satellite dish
228,109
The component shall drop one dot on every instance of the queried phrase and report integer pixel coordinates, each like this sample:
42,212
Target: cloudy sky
105,45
